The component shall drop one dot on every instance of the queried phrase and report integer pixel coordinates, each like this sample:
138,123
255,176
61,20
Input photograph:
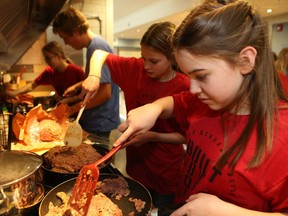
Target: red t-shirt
61,80
263,188
155,165
284,82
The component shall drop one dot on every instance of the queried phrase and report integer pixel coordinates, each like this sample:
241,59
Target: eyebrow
195,70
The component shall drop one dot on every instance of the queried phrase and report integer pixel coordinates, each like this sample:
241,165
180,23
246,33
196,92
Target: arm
152,136
91,84
103,95
72,89
206,204
24,89
142,119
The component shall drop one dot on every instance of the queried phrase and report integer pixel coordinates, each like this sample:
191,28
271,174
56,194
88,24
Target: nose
146,65
195,87
65,41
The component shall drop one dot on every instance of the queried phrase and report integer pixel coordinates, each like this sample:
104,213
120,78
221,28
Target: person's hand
90,87
69,100
70,91
201,204
139,120
11,93
140,139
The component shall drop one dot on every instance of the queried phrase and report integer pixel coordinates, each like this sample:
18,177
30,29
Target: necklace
168,77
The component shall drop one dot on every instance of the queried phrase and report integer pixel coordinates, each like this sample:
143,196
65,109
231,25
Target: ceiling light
269,10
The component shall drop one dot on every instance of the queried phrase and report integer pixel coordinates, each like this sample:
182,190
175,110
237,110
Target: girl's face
214,81
156,64
51,59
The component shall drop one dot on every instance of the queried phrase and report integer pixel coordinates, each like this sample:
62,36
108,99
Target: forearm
91,84
103,95
165,106
96,63
208,204
24,89
173,138
239,211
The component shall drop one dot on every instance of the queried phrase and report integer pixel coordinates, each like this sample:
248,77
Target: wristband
95,76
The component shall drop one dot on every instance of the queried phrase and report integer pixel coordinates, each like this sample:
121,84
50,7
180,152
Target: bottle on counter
4,128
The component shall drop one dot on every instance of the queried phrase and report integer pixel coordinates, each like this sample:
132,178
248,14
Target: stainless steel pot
21,188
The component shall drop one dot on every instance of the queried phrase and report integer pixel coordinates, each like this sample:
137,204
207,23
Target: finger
179,212
192,197
86,99
128,132
122,127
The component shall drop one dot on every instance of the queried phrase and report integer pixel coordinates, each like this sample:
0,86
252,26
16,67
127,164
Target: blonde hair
55,48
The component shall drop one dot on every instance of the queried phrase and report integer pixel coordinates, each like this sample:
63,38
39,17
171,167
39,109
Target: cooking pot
137,190
52,178
21,188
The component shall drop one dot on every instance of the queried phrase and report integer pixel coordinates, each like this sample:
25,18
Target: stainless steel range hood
21,24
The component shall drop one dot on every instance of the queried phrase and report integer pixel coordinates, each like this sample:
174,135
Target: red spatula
86,184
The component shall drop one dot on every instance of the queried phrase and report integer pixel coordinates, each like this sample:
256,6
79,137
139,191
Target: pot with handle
21,188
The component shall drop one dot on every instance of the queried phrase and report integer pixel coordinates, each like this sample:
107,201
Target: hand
11,93
202,204
90,87
69,100
138,123
71,91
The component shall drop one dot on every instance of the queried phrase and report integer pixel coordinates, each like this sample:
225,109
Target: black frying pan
137,191
51,178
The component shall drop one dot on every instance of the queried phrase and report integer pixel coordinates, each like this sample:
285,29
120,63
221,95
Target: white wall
279,40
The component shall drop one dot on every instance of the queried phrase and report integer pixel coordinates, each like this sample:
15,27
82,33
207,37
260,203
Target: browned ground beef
65,159
115,187
138,203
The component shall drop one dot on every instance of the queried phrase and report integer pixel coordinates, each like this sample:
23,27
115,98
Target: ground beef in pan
65,159
115,187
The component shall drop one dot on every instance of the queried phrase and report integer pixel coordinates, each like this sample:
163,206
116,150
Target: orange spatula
86,184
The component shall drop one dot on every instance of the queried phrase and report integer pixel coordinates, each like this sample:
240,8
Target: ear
247,58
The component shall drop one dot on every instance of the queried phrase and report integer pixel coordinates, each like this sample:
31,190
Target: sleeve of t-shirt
44,78
124,70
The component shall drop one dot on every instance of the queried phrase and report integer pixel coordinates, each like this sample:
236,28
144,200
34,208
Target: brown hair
56,48
221,29
282,61
69,21
158,37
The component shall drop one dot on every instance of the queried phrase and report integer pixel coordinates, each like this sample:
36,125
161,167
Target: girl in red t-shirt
60,73
235,115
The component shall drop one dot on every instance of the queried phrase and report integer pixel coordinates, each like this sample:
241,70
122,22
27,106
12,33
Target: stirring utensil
86,183
74,133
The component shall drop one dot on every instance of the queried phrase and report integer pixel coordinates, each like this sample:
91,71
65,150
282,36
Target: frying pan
137,191
51,178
